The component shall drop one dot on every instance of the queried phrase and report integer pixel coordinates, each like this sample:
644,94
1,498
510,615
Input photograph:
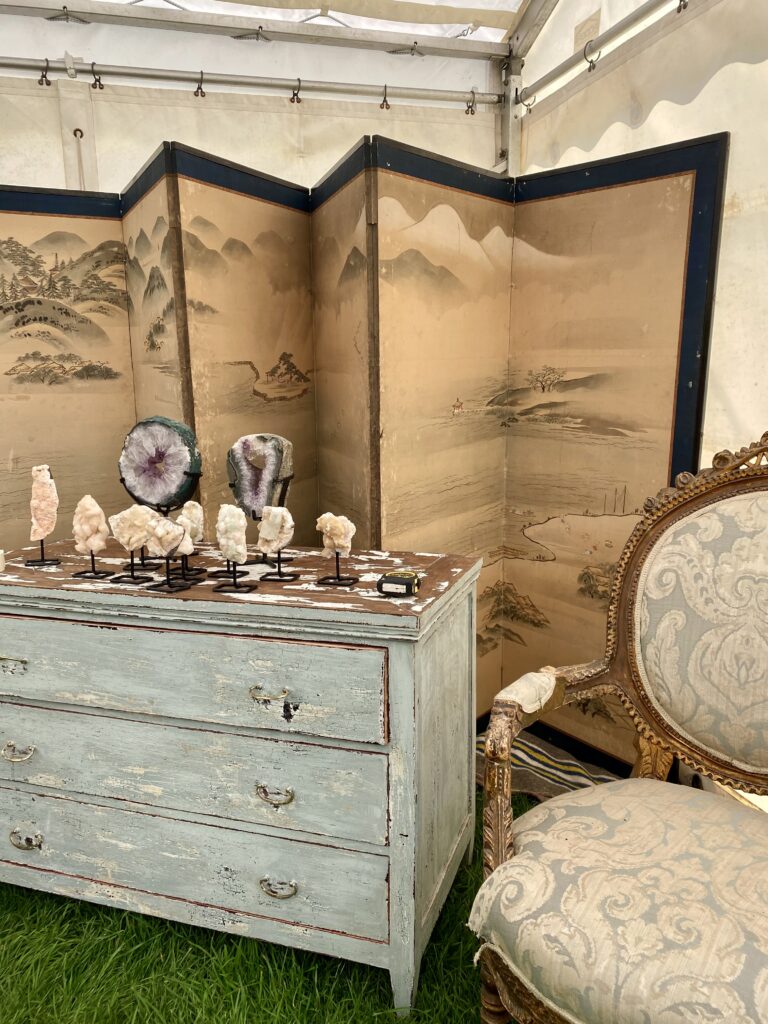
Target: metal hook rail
621,28
283,85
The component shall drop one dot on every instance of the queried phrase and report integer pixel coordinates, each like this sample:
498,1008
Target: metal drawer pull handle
278,890
257,694
22,842
275,797
9,666
11,753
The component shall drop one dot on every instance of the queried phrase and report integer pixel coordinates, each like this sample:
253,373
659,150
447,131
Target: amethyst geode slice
160,463
260,468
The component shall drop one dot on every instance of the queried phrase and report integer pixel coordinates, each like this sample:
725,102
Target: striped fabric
542,770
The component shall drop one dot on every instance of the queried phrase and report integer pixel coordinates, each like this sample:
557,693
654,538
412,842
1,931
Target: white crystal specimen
163,537
187,546
230,533
337,532
275,529
194,523
44,504
131,526
89,527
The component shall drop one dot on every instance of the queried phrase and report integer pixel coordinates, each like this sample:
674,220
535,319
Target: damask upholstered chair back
700,629
690,619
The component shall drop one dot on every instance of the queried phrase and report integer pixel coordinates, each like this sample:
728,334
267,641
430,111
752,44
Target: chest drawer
116,856
289,785
317,689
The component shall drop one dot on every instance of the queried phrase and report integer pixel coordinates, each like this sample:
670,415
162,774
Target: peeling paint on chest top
437,573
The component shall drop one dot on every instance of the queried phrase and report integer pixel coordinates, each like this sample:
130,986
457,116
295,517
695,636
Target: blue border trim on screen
386,154
61,203
706,157
149,175
418,163
191,163
210,170
342,172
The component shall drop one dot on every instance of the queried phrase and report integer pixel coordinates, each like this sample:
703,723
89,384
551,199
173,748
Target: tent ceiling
492,20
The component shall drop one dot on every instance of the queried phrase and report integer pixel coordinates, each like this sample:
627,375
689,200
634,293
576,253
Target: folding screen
463,362
66,388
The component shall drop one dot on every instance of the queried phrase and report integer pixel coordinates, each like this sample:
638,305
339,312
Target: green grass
66,962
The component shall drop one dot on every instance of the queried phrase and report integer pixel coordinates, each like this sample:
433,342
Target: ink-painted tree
545,378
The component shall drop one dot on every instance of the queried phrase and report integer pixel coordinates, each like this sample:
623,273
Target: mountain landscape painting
66,388
247,276
445,260
152,306
340,278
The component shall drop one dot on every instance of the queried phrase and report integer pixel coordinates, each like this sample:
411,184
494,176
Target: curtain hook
591,61
200,91
682,6
295,98
96,83
471,104
385,102
519,101
78,133
44,79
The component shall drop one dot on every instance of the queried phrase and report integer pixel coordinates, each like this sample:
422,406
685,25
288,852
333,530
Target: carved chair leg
491,1007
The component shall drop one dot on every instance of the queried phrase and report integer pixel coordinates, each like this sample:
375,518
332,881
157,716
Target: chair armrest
518,704
529,697
515,707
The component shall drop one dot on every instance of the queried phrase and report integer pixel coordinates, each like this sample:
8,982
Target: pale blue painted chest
295,765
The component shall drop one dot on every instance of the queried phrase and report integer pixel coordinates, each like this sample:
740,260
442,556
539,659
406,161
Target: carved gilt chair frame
503,994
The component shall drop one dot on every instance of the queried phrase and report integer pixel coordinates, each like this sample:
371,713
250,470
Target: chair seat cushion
636,902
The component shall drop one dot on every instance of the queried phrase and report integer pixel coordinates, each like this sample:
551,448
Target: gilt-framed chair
639,901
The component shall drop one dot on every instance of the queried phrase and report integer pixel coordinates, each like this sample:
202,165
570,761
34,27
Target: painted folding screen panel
445,238
66,389
155,282
612,283
246,258
344,345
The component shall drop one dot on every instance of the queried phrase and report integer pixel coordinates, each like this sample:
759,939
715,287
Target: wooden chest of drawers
295,764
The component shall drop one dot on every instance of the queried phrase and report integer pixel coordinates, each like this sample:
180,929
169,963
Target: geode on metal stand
160,463
260,469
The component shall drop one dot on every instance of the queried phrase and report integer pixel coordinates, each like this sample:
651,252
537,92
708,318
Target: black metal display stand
190,573
170,585
131,576
234,586
93,573
36,563
280,576
226,574
338,580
